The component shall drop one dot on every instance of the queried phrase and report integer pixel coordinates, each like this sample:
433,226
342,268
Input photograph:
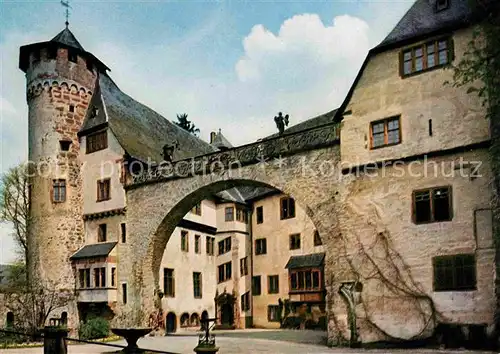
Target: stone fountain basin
131,335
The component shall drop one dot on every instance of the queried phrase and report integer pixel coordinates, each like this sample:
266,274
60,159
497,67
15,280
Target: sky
230,65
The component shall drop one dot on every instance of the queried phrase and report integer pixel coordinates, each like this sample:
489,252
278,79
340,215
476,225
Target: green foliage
94,328
184,123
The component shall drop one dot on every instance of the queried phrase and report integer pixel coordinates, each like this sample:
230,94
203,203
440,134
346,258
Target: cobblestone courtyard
238,342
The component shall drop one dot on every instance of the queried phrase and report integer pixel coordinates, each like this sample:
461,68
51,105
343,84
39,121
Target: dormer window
442,5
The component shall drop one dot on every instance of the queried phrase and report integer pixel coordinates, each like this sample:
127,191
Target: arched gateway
303,166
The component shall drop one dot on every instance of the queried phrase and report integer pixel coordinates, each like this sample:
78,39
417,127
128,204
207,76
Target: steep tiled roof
221,142
422,19
141,132
96,250
306,261
67,38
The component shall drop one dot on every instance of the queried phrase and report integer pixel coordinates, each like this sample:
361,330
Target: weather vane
67,6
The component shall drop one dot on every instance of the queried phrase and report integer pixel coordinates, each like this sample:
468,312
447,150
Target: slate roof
245,194
141,131
220,141
420,20
306,261
67,38
310,123
423,19
96,250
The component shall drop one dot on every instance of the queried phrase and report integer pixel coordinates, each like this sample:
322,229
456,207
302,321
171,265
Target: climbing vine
368,256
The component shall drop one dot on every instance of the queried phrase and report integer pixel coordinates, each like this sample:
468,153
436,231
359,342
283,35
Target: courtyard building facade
397,244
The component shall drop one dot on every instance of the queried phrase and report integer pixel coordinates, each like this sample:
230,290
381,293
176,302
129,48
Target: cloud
303,50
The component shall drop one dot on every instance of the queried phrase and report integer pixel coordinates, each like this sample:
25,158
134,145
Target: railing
55,341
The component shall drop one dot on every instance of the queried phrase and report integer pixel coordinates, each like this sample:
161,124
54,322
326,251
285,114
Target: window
51,53
84,275
229,212
256,288
196,209
442,5
123,232
72,56
423,57
245,301
305,280
102,233
225,271
432,205
36,56
124,293
168,282
457,272
260,215
103,190
59,190
317,239
273,313
197,285
71,108
113,277
97,141
184,241
64,145
241,215
210,245
295,241
100,277
244,266
225,245
197,248
273,284
287,208
385,132
89,65
260,246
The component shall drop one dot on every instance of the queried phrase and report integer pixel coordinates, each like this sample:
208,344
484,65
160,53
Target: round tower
60,78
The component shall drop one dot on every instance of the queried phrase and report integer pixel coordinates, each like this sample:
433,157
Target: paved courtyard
238,342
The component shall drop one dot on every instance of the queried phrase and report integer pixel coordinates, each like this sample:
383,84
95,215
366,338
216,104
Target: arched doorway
171,325
227,314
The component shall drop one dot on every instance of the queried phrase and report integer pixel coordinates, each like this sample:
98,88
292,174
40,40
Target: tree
32,305
15,205
184,123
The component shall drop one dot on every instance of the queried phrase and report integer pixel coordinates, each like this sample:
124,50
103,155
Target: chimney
212,137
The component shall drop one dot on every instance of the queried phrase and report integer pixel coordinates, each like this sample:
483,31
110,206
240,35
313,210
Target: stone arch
185,319
155,208
194,320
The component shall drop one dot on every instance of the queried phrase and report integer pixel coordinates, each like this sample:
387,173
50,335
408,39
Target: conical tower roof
67,38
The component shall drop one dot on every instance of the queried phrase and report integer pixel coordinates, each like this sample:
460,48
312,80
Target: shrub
94,328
